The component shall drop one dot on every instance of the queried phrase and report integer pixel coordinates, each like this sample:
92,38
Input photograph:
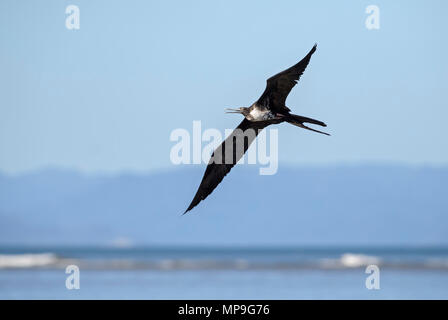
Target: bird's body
269,109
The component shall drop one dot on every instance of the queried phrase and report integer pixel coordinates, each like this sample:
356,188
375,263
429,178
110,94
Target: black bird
269,109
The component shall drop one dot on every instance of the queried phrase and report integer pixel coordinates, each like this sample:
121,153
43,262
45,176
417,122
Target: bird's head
243,110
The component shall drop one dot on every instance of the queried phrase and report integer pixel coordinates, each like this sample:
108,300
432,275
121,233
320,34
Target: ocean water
224,273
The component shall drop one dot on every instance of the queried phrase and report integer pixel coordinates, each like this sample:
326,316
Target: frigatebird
269,109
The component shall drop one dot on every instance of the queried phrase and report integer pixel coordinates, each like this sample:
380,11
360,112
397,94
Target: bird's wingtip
191,206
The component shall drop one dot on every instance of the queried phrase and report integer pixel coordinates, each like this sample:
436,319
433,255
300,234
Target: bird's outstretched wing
226,156
279,86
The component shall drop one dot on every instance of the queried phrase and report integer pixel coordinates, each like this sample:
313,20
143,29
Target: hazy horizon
173,168
358,205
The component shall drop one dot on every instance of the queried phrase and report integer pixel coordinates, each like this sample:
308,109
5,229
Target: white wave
351,260
27,260
358,260
122,242
436,263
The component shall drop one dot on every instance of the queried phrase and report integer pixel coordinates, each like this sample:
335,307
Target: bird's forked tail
300,120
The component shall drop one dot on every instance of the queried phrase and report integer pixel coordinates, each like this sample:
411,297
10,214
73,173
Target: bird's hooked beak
230,110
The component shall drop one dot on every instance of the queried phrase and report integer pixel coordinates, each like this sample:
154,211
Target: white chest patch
258,115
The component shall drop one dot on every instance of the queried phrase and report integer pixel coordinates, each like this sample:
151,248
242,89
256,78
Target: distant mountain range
340,205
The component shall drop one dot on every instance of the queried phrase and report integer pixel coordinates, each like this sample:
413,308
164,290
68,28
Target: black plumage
269,109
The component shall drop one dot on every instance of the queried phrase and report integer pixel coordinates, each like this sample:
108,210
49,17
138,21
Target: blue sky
106,97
